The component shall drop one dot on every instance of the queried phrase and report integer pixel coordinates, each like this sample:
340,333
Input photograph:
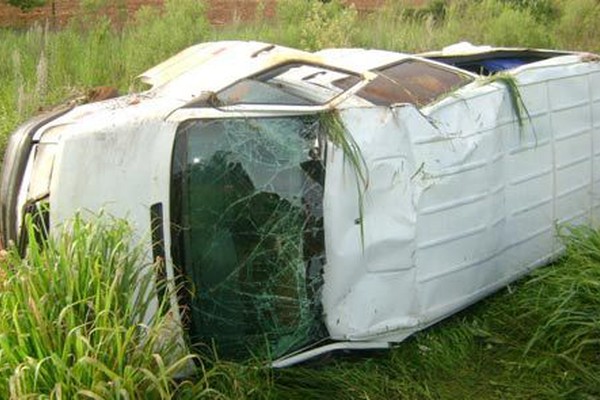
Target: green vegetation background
539,338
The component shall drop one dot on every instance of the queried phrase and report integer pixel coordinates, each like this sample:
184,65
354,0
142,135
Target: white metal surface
461,199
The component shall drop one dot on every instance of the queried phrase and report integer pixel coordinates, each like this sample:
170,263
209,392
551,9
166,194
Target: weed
336,132
516,100
79,317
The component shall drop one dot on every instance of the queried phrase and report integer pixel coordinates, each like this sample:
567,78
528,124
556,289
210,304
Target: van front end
16,196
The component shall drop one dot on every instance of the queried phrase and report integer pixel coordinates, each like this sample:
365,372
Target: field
63,330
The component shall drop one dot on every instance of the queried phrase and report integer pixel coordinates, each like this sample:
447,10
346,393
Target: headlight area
33,200
12,183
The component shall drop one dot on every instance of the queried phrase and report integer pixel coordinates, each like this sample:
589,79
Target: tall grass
72,325
40,67
76,320
566,24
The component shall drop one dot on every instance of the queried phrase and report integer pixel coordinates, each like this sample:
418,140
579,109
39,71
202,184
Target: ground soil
219,12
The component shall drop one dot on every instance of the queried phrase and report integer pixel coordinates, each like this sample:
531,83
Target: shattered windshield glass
247,229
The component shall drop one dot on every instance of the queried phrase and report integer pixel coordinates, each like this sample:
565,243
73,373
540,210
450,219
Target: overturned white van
333,200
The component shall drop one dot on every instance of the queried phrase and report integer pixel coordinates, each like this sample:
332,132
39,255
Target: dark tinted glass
246,208
410,81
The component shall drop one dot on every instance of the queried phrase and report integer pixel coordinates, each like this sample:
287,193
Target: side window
412,81
290,84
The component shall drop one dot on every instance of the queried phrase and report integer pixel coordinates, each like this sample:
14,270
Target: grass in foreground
71,327
73,320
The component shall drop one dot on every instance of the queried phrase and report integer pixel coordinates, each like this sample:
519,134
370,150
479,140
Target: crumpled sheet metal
461,199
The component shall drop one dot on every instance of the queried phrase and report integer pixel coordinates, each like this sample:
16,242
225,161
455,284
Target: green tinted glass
247,230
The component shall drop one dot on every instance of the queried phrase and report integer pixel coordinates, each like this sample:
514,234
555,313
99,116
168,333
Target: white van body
462,195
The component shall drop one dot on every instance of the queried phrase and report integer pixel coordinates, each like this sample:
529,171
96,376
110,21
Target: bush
579,25
517,28
316,24
434,9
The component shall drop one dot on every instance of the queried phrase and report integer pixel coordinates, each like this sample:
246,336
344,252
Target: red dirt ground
219,11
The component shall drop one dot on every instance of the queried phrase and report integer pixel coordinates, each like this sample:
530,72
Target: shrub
434,9
541,10
518,28
316,24
579,25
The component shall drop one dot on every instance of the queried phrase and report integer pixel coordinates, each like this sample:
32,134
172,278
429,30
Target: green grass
73,319
69,326
40,67
62,334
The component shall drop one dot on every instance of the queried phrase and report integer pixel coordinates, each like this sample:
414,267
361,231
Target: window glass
412,81
489,63
246,207
290,84
250,91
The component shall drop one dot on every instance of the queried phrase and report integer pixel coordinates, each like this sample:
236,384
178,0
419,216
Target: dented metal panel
369,279
478,198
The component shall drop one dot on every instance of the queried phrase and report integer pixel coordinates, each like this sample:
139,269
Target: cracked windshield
247,217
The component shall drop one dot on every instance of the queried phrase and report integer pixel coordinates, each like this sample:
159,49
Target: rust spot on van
589,57
100,93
